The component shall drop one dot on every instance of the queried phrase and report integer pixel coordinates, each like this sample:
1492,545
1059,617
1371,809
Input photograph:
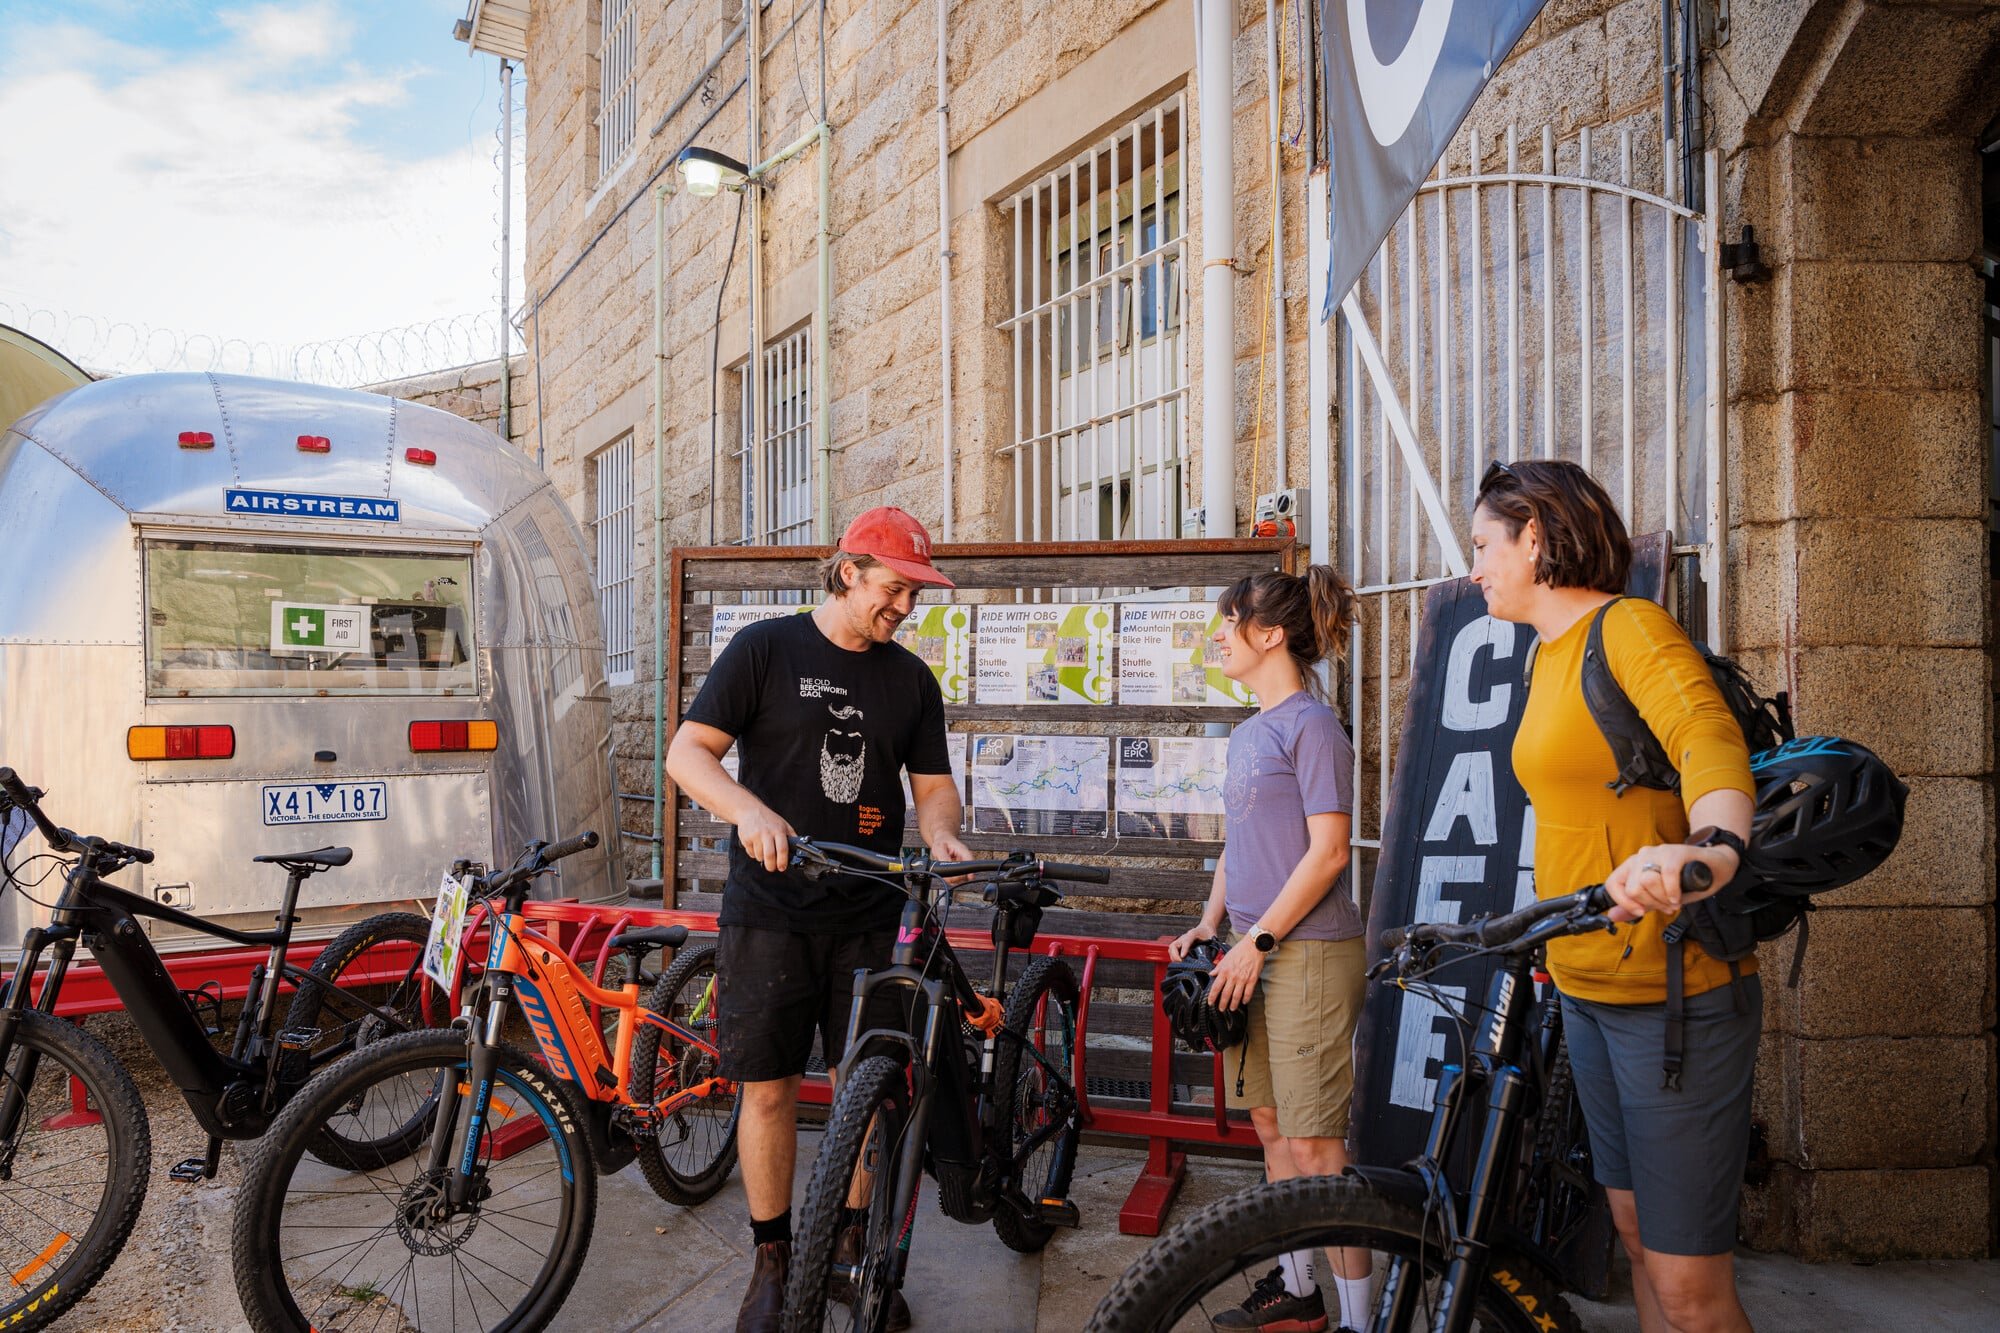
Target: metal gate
1558,312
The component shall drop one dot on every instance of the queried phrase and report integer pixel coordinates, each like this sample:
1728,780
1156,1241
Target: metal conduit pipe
1214,29
753,369
661,193
946,443
506,243
1277,240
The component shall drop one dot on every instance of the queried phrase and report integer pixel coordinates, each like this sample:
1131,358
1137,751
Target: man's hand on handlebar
767,838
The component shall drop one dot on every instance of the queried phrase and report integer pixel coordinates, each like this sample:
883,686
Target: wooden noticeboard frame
1148,873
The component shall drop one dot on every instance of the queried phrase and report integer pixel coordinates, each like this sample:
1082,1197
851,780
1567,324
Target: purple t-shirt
1291,760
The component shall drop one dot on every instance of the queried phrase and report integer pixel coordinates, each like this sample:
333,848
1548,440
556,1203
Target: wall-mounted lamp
706,173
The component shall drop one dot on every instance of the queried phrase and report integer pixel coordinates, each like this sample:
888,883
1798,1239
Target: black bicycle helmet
1828,812
1184,999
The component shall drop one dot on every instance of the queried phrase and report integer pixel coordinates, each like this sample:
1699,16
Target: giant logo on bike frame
1458,841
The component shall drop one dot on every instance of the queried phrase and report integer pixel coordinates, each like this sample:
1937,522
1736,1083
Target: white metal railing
1512,314
1096,329
612,526
775,465
617,83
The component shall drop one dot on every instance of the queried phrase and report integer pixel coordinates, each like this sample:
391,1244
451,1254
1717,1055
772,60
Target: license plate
325,802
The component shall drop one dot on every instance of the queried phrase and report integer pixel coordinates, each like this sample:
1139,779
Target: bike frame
105,918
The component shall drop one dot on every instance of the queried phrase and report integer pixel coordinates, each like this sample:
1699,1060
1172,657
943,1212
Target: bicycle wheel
695,1148
1562,1209
1034,1099
72,1176
865,1129
1211,1261
320,1247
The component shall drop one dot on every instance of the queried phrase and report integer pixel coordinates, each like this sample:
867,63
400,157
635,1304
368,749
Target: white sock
1356,1296
1298,1266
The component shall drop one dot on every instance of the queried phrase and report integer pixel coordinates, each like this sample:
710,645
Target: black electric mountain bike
1461,1245
75,1145
975,1088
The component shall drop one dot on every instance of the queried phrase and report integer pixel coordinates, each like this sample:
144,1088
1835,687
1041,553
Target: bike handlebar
863,859
29,799
582,842
1578,913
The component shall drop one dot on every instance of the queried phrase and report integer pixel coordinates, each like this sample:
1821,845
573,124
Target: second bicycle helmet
1184,998
1828,812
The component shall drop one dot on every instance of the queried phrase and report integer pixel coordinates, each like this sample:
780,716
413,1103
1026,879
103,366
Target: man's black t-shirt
822,737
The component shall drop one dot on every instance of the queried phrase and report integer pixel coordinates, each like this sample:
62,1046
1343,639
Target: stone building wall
474,392
1857,465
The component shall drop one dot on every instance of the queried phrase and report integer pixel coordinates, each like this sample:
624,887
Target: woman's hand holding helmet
1235,978
1178,949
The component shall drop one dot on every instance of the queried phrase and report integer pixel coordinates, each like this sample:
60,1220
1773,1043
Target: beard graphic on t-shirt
843,758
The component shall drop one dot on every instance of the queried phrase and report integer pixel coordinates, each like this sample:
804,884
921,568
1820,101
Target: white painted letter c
1391,93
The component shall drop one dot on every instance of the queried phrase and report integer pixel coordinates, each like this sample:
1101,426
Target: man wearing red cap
826,711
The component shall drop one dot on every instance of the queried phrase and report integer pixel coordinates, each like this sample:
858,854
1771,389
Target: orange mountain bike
486,1224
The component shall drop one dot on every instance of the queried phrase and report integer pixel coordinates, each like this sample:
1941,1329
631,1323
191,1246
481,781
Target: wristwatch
1264,939
1712,836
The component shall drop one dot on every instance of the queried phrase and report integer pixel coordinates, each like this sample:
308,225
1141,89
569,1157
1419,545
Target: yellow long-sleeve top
1583,831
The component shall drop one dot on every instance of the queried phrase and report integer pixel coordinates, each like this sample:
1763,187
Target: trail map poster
730,620
1057,785
1167,655
1171,786
941,637
1052,654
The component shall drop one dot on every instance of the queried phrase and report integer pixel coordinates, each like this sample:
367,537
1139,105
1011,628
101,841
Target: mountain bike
1456,1257
975,1087
75,1142
486,1222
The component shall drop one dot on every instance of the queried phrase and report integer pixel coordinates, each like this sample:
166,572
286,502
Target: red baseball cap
897,540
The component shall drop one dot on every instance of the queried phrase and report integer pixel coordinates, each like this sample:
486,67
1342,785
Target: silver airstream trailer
240,616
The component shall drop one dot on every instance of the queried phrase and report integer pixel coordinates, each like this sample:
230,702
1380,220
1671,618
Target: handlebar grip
556,851
139,854
1696,876
856,857
1394,938
10,782
1081,874
25,797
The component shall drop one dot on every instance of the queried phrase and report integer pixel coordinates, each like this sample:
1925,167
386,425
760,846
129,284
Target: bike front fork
476,1093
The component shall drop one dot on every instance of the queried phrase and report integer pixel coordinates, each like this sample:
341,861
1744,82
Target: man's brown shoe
846,1254
764,1302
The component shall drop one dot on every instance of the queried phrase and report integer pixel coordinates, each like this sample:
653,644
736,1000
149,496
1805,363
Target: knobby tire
869,1116
1041,1009
694,1149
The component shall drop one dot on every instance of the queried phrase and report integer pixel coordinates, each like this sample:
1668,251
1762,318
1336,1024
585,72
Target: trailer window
230,619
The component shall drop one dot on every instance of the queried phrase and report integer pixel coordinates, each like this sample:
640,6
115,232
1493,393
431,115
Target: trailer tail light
421,457
315,444
180,742
453,737
197,439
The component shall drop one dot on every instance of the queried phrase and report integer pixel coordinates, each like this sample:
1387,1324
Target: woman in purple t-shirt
1298,961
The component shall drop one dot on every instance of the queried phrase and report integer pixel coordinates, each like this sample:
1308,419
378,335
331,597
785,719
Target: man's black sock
778,1229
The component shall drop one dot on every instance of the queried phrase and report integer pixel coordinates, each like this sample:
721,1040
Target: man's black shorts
776,988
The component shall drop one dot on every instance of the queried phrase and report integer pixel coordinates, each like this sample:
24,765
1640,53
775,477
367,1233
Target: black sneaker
1272,1309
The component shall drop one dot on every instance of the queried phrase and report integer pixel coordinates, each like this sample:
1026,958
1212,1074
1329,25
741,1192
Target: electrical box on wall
1281,514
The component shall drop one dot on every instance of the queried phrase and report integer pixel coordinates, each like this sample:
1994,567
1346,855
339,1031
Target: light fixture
706,173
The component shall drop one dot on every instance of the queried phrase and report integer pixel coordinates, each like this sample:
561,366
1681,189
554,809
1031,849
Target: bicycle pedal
189,1172
298,1039
1058,1212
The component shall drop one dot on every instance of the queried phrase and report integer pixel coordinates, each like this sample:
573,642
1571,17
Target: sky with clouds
281,174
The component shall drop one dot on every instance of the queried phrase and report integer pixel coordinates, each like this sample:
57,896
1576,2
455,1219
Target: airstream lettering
391,638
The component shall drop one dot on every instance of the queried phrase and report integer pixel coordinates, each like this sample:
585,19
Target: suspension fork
482,1064
1506,1095
14,1098
1402,1288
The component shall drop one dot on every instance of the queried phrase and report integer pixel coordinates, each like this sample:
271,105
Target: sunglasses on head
1494,472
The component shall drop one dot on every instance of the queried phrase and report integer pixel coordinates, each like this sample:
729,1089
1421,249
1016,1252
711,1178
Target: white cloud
227,192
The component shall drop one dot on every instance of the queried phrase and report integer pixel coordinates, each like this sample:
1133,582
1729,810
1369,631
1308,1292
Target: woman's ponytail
1332,601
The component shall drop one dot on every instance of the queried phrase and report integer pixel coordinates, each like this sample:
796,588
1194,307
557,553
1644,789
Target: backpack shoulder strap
1641,760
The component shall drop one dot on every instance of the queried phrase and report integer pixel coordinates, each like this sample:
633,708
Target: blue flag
1398,77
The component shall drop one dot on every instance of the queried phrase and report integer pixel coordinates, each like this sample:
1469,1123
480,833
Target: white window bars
612,526
1100,359
776,464
1558,310
617,83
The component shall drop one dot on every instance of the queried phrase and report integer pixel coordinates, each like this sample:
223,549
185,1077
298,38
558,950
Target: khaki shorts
1299,1056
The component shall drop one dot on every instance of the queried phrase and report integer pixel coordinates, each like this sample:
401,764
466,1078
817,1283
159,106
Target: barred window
617,82
612,526
775,465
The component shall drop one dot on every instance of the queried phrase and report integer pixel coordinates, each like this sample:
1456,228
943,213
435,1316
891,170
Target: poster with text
730,620
1167,654
1171,786
941,637
1055,785
1055,654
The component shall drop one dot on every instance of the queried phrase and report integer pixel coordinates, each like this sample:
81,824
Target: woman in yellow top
1549,550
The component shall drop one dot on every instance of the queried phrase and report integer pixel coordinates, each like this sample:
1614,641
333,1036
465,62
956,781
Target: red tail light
315,444
421,457
453,737
197,439
180,742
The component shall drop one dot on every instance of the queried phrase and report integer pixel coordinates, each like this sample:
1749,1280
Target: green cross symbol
305,627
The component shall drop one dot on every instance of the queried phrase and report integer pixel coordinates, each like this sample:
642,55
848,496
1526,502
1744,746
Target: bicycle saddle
324,858
650,937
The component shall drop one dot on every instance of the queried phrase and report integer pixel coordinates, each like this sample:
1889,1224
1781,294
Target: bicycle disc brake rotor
426,1222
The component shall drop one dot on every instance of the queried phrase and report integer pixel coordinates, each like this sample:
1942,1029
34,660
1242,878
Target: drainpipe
1213,35
947,443
661,192
823,338
1277,236
753,372
506,242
